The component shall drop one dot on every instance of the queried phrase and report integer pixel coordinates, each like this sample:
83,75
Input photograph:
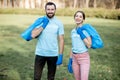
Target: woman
79,56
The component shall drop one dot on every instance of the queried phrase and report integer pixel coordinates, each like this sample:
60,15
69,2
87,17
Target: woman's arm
88,42
71,54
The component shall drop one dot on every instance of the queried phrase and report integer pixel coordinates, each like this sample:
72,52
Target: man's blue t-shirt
47,44
78,46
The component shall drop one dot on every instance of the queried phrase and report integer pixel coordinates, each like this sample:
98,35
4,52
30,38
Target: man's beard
50,16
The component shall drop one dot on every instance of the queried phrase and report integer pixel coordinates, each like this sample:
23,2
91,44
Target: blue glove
60,59
70,66
79,31
45,22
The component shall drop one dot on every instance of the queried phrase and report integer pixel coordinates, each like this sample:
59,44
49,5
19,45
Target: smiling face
50,11
79,17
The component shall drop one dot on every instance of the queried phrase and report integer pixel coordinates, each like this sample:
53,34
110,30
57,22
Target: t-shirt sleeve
61,29
86,33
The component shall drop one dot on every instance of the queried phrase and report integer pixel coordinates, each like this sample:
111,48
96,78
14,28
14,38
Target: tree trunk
81,4
18,3
23,3
87,4
71,3
35,3
30,4
117,4
75,3
94,4
2,3
7,3
12,1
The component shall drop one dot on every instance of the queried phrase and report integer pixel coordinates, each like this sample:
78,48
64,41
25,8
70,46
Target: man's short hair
50,3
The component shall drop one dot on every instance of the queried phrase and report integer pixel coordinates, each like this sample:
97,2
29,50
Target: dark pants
39,65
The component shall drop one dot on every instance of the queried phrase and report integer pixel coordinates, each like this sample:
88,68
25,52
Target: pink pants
81,66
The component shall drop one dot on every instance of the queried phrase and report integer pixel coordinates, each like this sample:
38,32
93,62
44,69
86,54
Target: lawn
17,55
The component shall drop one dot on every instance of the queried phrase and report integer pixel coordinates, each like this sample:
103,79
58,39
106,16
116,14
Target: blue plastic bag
96,39
27,33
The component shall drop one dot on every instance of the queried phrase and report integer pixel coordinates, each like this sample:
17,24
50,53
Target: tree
23,2
75,3
29,3
35,3
95,4
81,4
8,1
18,3
2,3
117,4
87,4
110,4
12,1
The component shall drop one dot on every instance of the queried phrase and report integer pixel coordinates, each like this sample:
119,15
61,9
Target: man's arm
36,32
61,46
61,43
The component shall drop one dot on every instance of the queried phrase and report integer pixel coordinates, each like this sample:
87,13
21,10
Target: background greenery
17,55
90,12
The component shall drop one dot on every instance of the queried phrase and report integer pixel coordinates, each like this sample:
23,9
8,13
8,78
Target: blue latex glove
45,22
70,66
60,59
79,31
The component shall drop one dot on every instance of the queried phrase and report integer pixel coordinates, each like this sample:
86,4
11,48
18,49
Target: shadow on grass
15,56
13,60
10,31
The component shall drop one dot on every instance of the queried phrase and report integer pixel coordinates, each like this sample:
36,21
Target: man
47,46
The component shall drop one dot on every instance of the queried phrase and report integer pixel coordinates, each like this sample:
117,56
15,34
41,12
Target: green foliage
17,55
90,12
103,13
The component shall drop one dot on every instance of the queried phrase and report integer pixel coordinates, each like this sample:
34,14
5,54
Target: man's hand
37,31
60,59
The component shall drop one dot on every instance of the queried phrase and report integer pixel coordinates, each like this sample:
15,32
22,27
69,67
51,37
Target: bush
90,12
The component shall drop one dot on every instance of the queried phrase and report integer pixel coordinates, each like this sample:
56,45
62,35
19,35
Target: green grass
17,55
